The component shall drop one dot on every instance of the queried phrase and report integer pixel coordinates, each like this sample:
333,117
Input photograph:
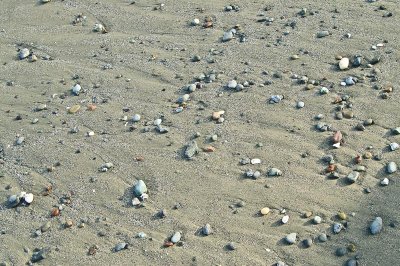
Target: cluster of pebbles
343,113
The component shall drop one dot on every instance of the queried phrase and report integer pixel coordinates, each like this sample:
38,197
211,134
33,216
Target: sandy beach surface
142,61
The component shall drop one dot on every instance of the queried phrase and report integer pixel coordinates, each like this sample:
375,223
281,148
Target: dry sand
150,47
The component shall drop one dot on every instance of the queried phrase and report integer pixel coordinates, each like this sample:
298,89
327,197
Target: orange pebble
209,149
331,168
91,107
168,244
55,212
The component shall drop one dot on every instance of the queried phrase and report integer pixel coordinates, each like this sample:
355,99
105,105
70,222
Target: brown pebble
216,115
307,214
55,212
209,149
91,107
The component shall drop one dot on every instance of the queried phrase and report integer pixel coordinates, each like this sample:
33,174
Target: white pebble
232,84
136,118
300,104
385,181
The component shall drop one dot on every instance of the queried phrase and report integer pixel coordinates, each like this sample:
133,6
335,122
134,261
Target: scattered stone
351,262
300,105
232,84
317,220
120,246
76,89
337,227
291,238
176,237
322,34
391,167
323,238
307,242
206,230
275,99
394,146
231,246
39,255
23,53
20,140
139,188
376,226
385,182
340,252
264,211
368,122
274,172
342,215
255,161
396,131
136,118
191,149
344,63
307,214
228,35
353,176
74,109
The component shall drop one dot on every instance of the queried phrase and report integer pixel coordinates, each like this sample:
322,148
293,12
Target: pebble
227,36
300,105
20,140
46,227
41,107
391,167
285,219
136,118
307,214
337,227
231,246
141,235
291,238
353,176
340,252
322,34
396,131
368,122
317,220
274,172
191,149
232,84
264,211
23,53
39,255
344,63
206,230
351,262
255,161
324,90
157,122
28,198
385,181
195,22
275,99
307,242
323,238
394,146
176,237
74,109
357,61
217,115
120,246
76,89
342,215
376,226
139,188
348,114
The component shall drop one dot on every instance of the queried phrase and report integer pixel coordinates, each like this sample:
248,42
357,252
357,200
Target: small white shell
285,219
28,198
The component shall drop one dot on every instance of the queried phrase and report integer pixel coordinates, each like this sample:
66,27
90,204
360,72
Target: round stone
391,167
157,122
139,188
341,251
323,238
376,226
342,215
136,118
265,211
231,246
317,220
232,84
195,22
385,182
300,105
285,219
344,63
176,237
206,230
307,242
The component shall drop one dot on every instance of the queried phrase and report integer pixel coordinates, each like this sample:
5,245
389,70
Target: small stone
348,114
337,227
76,89
294,57
275,99
317,220
342,215
232,84
241,204
157,122
359,168
396,131
376,226
20,140
300,105
206,230
394,146
324,90
353,176
385,182
176,237
46,226
307,214
351,262
191,149
344,63
264,211
120,246
368,122
141,235
307,242
23,53
231,246
39,255
136,118
291,238
367,155
274,172
255,161
28,198
323,238
139,188
41,107
227,36
74,109
391,167
217,115
285,219
322,34
340,252
195,22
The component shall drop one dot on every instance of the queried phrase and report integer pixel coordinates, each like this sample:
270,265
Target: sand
150,51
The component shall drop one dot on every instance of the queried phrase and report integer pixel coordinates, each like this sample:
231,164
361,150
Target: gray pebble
274,172
353,176
191,149
39,255
120,246
391,167
322,34
340,252
307,242
20,140
291,238
323,238
23,53
136,118
206,230
231,246
376,226
227,36
351,262
139,188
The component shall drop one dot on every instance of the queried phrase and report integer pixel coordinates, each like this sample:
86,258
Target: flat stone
323,238
120,246
176,237
274,172
394,146
384,182
227,36
74,109
139,188
265,211
353,176
322,34
191,149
